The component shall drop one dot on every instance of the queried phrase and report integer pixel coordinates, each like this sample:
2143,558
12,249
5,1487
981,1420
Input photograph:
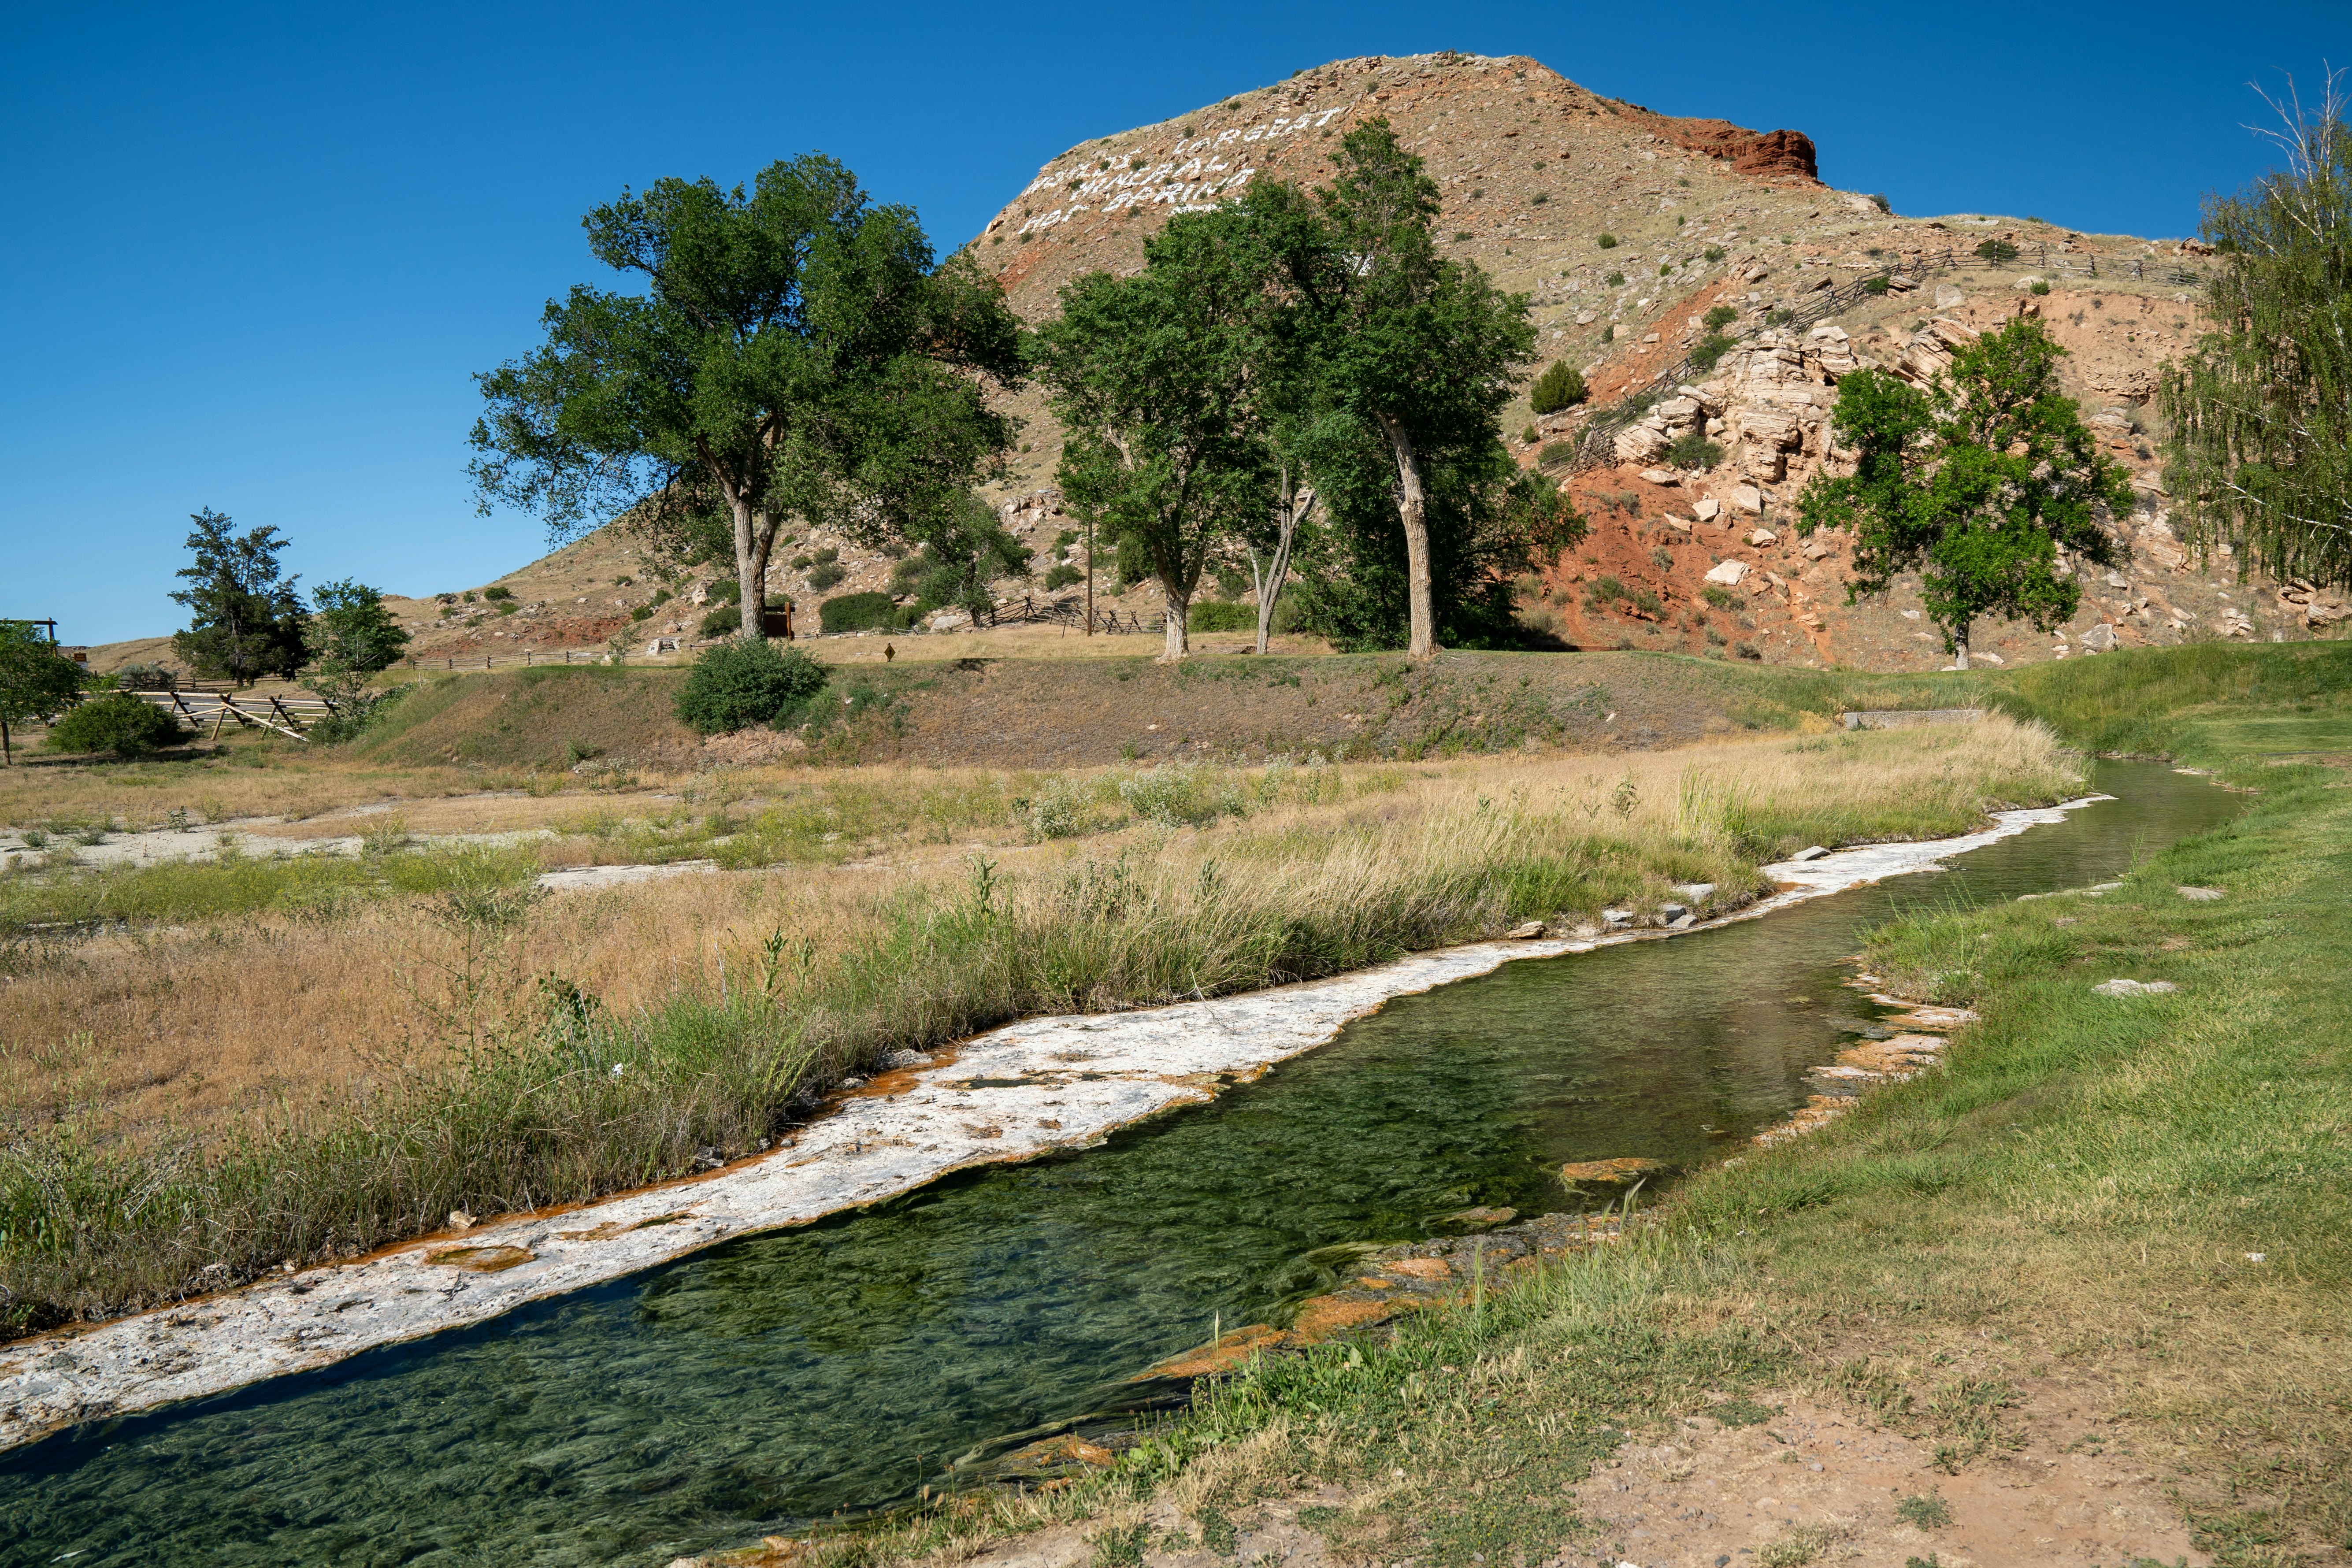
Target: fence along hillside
1596,443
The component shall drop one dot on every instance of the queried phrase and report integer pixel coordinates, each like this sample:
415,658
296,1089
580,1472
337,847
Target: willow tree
2260,410
795,353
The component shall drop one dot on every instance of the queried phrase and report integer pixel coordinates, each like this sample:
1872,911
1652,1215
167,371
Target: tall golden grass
273,1087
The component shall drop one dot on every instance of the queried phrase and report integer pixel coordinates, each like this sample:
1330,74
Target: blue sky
258,252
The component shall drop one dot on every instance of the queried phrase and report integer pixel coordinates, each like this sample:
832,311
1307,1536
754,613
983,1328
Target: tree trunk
1961,649
1287,516
1412,508
7,753
755,535
1176,594
1179,642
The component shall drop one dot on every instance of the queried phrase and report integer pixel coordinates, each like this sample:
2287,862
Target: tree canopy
245,619
37,681
1296,346
795,353
1977,483
2260,409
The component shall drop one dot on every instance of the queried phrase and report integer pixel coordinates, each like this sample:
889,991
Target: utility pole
1090,574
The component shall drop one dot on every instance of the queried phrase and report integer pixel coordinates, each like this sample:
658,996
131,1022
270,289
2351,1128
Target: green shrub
500,592
1561,386
826,576
1461,233
1607,241
1876,285
856,613
1720,317
117,722
1647,602
1603,592
1715,253
1539,198
1614,280
2040,286
1214,615
1721,597
826,557
741,683
1609,334
1061,577
1555,452
1997,251
1878,199
641,613
726,591
1709,351
1694,451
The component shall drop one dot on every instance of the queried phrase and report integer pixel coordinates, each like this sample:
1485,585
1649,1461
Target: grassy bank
2111,1224
482,1049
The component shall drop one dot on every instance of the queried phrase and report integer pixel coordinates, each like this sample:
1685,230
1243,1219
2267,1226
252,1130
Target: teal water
786,1377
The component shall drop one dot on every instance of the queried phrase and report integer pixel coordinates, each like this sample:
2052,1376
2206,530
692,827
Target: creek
788,1377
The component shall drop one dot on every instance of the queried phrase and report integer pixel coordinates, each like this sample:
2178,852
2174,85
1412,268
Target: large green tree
2260,409
245,617
1422,353
1154,378
1977,483
795,351
37,681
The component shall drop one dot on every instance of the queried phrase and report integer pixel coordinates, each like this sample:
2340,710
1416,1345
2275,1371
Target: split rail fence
1596,443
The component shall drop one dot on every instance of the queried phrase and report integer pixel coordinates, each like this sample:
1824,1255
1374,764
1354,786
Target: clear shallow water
784,1377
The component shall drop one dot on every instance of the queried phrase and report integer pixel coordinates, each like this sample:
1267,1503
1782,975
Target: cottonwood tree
1421,351
245,619
1977,483
37,681
2260,410
795,353
1154,378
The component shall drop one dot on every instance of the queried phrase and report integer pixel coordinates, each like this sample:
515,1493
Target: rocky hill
1623,226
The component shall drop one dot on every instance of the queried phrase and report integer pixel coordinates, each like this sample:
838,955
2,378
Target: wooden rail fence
1596,442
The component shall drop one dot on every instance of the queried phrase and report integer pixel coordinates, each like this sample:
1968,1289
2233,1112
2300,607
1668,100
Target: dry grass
204,1021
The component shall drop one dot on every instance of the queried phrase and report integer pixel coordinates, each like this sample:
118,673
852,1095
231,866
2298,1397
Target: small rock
1622,1169
1763,536
1748,499
2201,895
1693,891
1947,296
2133,987
1708,510
1525,933
1673,912
1814,853
461,1221
1727,573
1660,477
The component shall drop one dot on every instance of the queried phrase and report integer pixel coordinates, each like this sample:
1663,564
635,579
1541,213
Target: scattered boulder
2133,987
1727,573
1763,536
